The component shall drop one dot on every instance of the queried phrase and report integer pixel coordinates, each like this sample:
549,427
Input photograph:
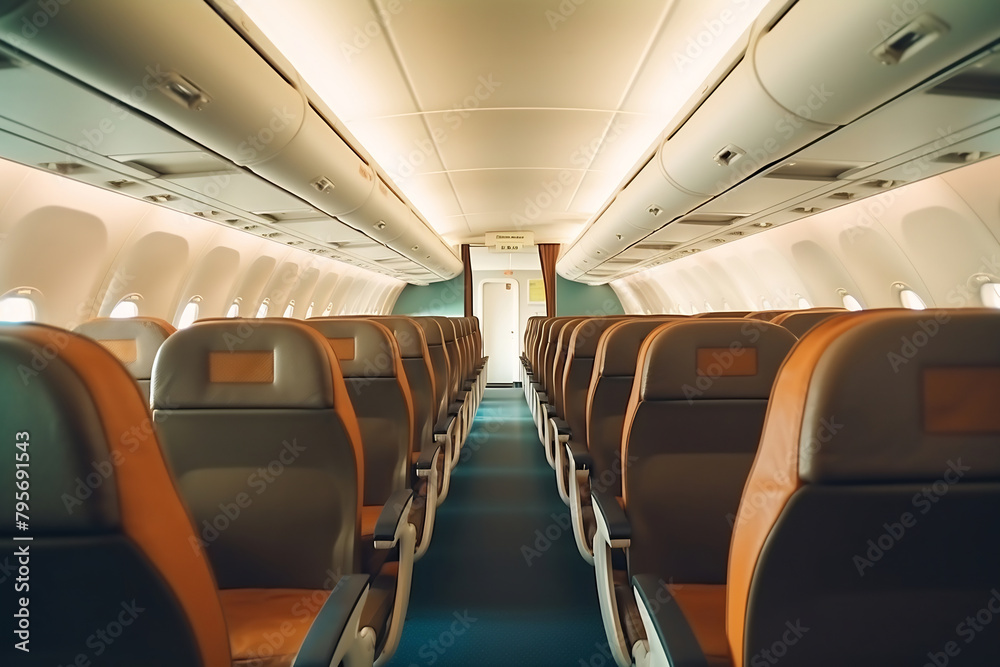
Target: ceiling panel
534,194
405,146
546,138
532,54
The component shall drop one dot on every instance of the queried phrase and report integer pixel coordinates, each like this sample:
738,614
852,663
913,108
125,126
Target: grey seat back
559,362
416,361
450,337
134,341
372,368
259,429
579,371
691,432
439,361
871,505
799,322
610,389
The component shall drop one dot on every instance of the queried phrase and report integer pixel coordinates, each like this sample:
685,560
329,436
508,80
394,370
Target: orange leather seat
689,438
118,542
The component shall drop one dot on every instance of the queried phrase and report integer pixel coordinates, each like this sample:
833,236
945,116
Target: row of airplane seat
261,486
815,486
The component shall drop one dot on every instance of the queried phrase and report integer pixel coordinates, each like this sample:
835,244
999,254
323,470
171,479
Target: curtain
467,268
548,253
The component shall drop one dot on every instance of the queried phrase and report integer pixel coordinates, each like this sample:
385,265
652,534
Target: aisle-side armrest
670,628
608,511
579,455
393,519
444,425
331,634
427,460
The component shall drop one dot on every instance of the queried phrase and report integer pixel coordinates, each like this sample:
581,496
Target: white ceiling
494,115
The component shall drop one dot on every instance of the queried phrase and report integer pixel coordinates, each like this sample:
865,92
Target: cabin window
765,303
127,307
911,300
328,309
990,294
850,303
309,310
264,307
804,303
190,313
289,309
234,310
17,308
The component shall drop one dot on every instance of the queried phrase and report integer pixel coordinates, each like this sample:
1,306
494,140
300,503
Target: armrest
562,426
579,455
611,513
393,519
542,397
326,643
443,427
669,625
428,456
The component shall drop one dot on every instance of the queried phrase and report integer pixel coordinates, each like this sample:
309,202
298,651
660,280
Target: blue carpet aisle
494,589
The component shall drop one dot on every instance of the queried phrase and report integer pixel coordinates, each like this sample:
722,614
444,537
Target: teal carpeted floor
502,582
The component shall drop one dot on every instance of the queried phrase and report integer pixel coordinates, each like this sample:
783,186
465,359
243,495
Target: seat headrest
134,341
245,363
712,359
585,337
801,321
432,330
567,332
618,348
556,328
365,348
409,336
766,315
716,314
892,395
447,328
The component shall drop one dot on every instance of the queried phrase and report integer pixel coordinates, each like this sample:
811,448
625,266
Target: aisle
502,583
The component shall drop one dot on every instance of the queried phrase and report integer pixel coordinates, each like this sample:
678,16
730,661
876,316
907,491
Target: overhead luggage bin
203,74
179,62
859,54
738,131
320,168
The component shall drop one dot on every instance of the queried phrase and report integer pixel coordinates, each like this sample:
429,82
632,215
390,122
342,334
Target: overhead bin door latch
729,155
182,91
909,39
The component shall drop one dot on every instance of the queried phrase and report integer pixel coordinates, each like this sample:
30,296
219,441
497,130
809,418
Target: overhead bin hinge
182,91
909,39
729,155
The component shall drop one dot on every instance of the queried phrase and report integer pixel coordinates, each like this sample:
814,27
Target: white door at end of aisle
500,318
